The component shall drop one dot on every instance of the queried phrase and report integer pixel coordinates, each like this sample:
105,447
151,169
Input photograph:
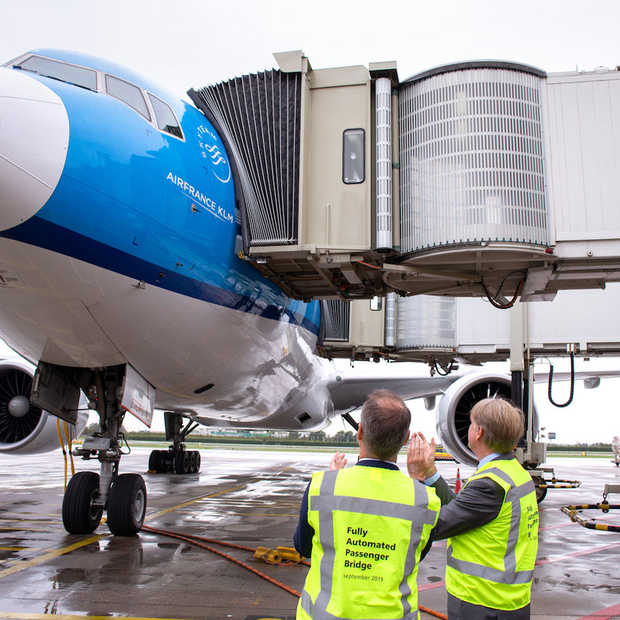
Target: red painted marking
551,560
431,586
603,614
558,558
553,527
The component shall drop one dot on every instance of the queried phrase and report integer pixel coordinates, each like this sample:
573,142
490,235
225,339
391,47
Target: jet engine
456,403
25,429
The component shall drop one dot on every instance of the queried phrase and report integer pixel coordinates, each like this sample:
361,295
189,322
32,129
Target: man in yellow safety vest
492,524
366,527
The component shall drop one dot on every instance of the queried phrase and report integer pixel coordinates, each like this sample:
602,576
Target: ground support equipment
574,511
542,482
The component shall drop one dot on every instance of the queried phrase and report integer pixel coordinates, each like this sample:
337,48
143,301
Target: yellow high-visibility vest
370,527
493,565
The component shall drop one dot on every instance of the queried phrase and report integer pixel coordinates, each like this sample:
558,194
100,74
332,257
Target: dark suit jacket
478,503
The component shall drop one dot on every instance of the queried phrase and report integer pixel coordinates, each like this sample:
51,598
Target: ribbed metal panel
390,320
383,115
335,317
471,154
259,117
425,321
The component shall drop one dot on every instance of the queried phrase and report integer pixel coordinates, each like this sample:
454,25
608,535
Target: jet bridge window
127,93
166,120
353,165
77,76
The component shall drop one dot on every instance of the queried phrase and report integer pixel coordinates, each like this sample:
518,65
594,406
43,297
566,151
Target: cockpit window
128,93
78,76
166,120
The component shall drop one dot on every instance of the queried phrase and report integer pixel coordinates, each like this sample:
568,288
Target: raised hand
421,457
339,461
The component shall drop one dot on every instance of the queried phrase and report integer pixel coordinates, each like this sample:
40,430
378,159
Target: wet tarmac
250,498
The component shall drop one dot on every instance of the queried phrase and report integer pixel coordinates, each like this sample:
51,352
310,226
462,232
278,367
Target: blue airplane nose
34,136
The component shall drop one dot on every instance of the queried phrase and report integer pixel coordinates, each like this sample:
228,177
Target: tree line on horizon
341,438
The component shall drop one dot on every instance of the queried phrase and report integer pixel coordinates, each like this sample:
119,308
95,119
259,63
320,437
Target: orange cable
190,540
198,541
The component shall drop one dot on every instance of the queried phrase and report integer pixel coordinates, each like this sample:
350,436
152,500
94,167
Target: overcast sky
187,44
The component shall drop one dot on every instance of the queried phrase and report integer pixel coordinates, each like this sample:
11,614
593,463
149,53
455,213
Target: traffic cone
457,485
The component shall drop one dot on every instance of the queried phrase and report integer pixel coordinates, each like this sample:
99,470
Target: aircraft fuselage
132,257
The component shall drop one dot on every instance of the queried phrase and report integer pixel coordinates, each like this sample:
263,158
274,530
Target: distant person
492,524
615,445
365,526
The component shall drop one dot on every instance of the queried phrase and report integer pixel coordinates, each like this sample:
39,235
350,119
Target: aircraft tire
155,461
197,461
127,505
194,461
79,515
180,462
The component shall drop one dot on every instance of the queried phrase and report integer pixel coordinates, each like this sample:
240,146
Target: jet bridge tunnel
478,179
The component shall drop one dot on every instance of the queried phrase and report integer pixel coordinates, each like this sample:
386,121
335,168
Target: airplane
121,281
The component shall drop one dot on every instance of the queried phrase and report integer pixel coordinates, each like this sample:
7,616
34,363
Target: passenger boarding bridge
475,179
393,202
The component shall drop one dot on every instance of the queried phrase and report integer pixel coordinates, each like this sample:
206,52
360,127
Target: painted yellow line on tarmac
159,513
57,552
15,615
54,553
21,519
272,514
8,528
21,515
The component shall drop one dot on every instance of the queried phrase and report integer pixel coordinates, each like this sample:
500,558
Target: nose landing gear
88,494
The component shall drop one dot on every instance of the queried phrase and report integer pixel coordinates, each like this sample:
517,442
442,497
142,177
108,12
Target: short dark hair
502,423
385,423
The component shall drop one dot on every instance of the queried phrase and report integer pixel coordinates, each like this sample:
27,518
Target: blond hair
502,423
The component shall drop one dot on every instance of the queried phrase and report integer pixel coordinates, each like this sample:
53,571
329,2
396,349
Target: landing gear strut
176,459
88,494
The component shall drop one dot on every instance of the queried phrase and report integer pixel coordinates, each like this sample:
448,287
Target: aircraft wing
540,377
351,392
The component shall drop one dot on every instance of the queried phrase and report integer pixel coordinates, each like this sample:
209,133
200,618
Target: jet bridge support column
518,315
529,452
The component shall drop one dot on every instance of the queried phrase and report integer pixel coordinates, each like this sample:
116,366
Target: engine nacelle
25,429
453,419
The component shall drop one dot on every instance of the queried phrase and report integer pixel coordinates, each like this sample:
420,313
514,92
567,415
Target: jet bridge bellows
259,117
478,179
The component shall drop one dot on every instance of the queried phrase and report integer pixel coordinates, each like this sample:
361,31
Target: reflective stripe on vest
509,575
317,614
326,502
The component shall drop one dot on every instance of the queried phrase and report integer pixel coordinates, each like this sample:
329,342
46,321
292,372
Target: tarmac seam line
159,513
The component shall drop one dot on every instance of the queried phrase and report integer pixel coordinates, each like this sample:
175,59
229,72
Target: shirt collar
371,460
487,458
